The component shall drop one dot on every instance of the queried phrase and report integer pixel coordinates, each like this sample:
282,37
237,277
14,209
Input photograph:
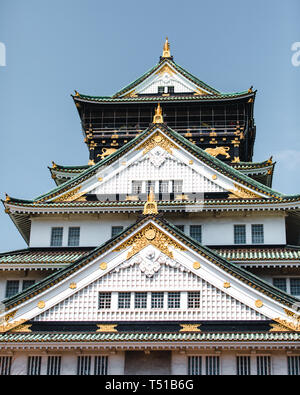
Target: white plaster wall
96,230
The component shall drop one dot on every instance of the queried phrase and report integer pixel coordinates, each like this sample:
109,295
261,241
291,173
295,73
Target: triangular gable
240,185
166,73
173,244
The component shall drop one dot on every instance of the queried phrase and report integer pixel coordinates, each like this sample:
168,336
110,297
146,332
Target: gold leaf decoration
190,328
155,140
150,235
107,328
243,193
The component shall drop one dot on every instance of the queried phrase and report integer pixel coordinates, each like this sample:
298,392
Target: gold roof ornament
166,50
151,205
158,117
7,198
54,165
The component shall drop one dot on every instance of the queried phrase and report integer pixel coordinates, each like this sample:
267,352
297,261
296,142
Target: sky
97,47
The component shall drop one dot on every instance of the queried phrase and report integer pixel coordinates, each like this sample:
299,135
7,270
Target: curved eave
160,99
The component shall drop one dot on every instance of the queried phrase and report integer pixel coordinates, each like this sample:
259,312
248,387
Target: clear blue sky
97,47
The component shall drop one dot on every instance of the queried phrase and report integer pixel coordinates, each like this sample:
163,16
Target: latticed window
100,365
150,185
257,234
280,283
194,366
140,300
27,284
53,365
196,232
74,236
56,237
5,366
104,300
12,288
243,365
83,365
157,300
116,230
170,89
137,187
239,234
295,286
194,300
173,300
124,300
34,366
212,365
177,186
263,365
161,89
164,186
293,365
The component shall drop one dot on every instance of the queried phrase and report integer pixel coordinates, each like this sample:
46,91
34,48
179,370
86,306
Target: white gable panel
170,169
215,304
179,85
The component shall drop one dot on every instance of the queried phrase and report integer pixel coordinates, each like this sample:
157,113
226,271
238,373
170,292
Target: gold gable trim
150,234
243,193
158,139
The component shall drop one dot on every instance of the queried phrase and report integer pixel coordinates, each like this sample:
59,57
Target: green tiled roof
149,337
43,256
69,255
260,253
214,94
216,259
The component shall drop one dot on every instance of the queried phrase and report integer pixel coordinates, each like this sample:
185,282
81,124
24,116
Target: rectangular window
104,300
83,366
161,89
124,300
196,232
295,286
263,365
177,186
12,288
294,365
34,366
150,185
239,234
212,366
74,237
116,230
170,89
194,366
27,284
174,300
56,237
280,283
53,366
101,365
137,187
243,366
164,186
257,234
157,300
194,300
5,366
140,300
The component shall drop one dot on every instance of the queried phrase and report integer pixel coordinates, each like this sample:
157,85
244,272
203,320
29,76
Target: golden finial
151,205
54,165
77,94
7,198
270,161
166,50
158,117
250,90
